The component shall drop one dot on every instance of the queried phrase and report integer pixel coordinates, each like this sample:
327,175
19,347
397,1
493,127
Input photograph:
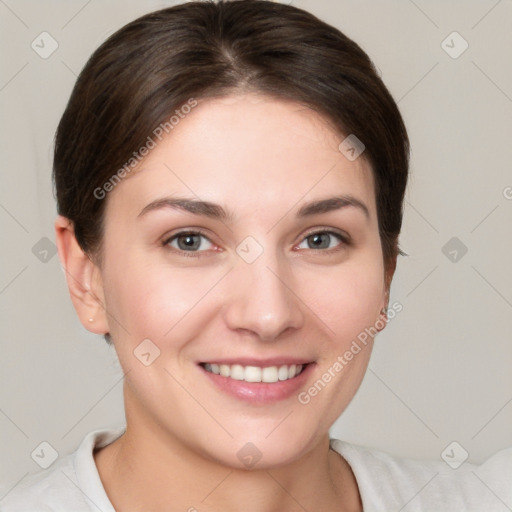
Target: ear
83,278
388,277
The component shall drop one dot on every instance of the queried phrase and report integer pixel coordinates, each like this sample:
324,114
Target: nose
262,299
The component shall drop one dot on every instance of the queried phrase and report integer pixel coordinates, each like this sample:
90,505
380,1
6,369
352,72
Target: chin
255,452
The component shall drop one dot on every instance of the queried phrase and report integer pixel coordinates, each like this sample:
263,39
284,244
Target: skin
261,159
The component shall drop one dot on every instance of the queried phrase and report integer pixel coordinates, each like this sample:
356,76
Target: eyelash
343,239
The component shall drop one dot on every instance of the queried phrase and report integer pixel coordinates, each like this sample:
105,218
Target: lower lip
260,392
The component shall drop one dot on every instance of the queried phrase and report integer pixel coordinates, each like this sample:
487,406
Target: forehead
252,152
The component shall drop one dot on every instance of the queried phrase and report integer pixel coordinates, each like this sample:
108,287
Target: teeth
252,374
255,373
282,373
269,374
237,372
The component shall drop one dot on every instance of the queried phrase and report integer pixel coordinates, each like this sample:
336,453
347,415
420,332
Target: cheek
348,299
348,303
150,301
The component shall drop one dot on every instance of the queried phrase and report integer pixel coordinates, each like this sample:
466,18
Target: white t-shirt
386,483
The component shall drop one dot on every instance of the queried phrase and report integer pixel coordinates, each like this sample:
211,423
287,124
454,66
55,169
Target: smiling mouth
267,374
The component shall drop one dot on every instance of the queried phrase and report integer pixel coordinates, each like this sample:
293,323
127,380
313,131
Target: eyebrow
331,204
215,211
195,206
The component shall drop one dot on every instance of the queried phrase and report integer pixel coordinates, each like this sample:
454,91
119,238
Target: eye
323,240
189,241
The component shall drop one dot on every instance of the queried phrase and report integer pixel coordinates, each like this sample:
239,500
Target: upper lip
262,363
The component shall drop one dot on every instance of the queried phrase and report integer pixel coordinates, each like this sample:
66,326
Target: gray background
440,372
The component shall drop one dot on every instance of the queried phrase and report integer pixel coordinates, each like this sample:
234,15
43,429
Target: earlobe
382,321
389,273
83,278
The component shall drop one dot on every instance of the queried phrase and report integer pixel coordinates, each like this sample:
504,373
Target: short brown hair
152,66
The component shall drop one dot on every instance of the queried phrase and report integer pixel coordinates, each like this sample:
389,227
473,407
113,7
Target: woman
230,180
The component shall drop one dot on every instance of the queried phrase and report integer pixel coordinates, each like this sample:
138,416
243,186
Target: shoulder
43,491
71,483
388,482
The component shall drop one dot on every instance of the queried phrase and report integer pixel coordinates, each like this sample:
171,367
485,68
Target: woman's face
247,244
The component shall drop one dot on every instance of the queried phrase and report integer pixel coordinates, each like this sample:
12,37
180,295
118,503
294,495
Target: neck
147,469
